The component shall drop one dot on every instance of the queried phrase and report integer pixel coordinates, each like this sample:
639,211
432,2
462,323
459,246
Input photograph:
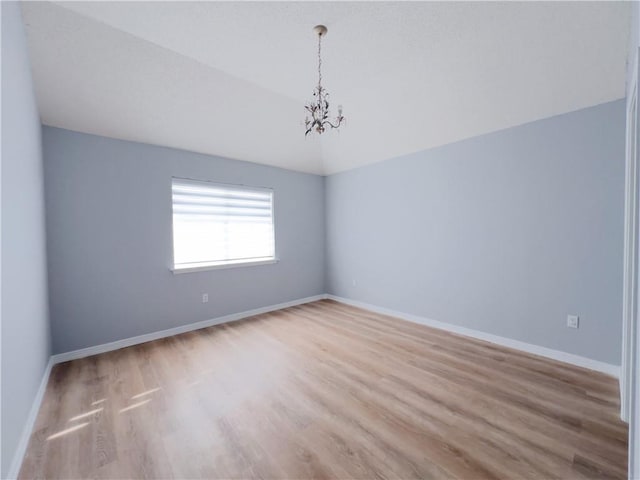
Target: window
218,225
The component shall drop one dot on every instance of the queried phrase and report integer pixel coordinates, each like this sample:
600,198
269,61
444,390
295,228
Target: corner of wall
325,225
26,333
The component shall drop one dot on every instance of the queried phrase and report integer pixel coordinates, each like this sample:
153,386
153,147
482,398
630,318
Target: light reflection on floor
135,405
87,414
67,431
148,392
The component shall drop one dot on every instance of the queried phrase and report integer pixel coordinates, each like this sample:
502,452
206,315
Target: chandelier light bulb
318,108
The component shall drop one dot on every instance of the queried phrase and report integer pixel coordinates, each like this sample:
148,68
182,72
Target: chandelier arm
331,124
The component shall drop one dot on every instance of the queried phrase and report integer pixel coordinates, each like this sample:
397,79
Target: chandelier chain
319,60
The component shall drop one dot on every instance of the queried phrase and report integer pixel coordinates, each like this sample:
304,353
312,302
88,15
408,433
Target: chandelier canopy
318,108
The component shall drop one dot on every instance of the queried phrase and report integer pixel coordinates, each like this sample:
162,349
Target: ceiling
231,78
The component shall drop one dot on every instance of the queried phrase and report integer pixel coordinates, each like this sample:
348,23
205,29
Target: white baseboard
127,342
18,456
558,355
609,369
624,413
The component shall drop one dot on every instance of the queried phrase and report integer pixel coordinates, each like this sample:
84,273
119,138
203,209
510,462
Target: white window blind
216,224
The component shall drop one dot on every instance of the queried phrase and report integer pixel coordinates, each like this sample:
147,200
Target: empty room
304,240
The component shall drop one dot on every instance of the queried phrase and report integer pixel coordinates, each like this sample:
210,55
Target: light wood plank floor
325,390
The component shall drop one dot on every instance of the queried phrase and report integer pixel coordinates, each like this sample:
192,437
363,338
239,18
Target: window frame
220,265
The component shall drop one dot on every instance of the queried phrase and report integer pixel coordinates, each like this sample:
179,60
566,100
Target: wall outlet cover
573,321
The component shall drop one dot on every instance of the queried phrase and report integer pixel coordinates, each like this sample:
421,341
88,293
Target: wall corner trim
21,450
584,362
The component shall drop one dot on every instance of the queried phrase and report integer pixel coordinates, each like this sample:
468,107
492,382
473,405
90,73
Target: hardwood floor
325,390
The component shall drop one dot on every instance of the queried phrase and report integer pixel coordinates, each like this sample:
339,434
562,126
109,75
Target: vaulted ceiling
232,78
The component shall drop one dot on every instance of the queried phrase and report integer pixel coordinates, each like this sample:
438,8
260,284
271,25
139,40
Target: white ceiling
231,78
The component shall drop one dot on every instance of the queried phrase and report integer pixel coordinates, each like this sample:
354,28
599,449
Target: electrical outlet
573,321
353,282
205,297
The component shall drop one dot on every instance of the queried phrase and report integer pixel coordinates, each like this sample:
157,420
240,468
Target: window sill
220,266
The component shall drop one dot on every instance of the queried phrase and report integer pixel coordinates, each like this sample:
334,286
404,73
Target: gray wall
506,233
25,327
109,240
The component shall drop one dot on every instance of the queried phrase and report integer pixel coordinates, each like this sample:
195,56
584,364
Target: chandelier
319,107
